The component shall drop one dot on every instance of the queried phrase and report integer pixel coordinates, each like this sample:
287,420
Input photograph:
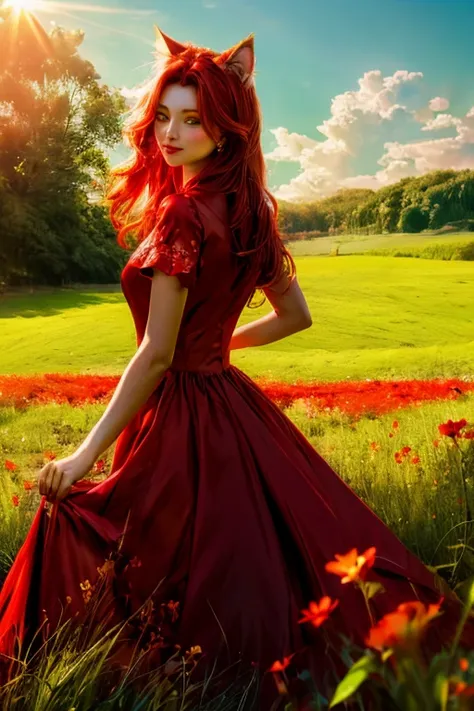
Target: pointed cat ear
166,45
241,60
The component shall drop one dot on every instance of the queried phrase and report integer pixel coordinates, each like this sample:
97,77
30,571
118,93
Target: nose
172,131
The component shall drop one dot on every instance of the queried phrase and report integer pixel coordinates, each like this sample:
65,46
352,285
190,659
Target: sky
354,93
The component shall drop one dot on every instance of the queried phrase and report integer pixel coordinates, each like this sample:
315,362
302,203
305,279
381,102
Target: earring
220,145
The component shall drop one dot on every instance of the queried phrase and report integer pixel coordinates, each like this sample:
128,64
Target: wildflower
100,465
15,500
463,664
406,450
452,429
403,627
416,459
469,435
395,424
27,485
374,446
105,568
279,666
436,443
390,434
352,566
461,689
317,613
11,466
174,609
49,455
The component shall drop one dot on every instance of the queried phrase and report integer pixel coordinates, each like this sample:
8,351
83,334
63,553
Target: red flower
416,460
436,443
15,500
390,434
352,566
49,455
403,627
452,429
469,435
11,466
317,613
406,450
461,689
27,485
463,664
100,465
395,424
279,666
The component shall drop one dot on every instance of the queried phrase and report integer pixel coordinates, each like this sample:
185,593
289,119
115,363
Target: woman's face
178,125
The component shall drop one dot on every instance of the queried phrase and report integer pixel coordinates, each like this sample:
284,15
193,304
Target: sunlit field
374,318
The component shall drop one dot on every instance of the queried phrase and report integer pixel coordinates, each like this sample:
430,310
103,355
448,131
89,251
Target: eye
159,115
195,121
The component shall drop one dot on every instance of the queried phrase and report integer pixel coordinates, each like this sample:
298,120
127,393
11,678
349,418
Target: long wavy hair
228,104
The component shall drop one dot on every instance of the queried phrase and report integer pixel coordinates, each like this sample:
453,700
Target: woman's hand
57,477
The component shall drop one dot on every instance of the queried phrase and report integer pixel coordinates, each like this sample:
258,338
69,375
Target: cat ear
241,60
166,45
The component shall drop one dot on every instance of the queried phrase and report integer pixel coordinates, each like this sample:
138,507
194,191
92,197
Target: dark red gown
221,497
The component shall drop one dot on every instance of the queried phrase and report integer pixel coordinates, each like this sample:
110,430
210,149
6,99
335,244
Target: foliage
56,122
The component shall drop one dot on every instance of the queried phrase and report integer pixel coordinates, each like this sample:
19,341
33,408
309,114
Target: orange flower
395,424
15,500
398,458
374,446
11,466
27,485
460,688
452,429
317,613
406,450
390,434
416,459
49,455
280,666
402,627
463,664
436,443
352,566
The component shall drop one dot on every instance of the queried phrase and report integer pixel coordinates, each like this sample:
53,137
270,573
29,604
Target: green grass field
373,317
359,244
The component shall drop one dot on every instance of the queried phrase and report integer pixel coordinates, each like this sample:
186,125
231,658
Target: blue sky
389,83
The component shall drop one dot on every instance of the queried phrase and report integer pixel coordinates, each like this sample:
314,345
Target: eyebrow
184,111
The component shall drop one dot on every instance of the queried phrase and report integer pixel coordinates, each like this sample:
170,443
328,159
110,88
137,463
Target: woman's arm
290,314
147,367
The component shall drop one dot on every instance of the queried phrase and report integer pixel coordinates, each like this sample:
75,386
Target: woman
219,503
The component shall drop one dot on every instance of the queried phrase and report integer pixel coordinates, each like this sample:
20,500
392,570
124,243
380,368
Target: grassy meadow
374,317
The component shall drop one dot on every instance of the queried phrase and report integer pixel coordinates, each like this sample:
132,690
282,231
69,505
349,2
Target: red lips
171,149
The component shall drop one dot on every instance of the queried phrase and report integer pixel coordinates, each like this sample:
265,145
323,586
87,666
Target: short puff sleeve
173,246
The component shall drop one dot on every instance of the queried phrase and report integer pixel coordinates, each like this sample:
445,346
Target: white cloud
439,104
355,117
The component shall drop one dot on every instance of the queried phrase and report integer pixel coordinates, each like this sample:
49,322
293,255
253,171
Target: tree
56,123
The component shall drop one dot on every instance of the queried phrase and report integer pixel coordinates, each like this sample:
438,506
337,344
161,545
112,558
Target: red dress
222,499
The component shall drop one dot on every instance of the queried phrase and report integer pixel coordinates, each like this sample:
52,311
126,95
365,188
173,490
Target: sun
19,5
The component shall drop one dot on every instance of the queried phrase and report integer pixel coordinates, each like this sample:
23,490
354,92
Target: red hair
226,104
